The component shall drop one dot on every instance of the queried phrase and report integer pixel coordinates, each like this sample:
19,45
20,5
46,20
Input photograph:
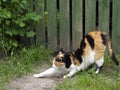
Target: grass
107,79
22,63
28,59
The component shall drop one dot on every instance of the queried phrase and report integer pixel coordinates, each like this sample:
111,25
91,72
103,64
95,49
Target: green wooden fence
65,22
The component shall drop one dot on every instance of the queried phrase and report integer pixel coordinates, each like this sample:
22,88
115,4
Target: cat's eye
61,57
59,60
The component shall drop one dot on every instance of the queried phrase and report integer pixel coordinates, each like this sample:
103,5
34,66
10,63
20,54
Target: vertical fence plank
64,25
52,26
104,15
90,7
32,27
77,22
40,28
116,26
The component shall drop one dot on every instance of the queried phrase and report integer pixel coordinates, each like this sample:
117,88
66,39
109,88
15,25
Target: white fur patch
100,62
87,61
51,72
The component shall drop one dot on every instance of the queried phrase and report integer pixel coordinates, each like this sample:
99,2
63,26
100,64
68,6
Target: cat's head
62,60
58,61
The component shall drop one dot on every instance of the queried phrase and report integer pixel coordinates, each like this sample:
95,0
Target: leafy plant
16,16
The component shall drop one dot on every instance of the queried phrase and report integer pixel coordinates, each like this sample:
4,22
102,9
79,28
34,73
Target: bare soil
31,83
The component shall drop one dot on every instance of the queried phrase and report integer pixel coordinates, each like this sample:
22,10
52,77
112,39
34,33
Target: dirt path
31,83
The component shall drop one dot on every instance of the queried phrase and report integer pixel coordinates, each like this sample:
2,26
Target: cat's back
98,37
99,42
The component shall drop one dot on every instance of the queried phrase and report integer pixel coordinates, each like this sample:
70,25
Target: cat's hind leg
99,64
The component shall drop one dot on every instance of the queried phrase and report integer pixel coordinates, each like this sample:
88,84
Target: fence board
116,26
76,22
63,39
104,15
52,25
31,41
64,25
40,28
90,6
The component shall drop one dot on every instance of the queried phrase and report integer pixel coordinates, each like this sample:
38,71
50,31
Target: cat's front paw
66,76
36,75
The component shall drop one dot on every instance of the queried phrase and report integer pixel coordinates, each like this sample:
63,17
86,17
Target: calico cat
91,50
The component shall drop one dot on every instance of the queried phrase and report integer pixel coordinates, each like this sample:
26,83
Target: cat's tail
111,52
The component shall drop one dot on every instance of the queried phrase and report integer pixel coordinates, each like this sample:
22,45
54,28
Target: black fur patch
78,55
82,46
79,52
67,60
90,40
104,39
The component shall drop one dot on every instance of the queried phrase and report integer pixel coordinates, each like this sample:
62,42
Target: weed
22,63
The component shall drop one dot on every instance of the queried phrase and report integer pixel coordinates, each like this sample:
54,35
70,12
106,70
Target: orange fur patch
99,46
58,64
74,61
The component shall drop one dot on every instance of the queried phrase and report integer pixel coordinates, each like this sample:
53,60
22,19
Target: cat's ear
62,51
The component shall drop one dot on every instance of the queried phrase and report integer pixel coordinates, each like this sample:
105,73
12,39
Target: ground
31,83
